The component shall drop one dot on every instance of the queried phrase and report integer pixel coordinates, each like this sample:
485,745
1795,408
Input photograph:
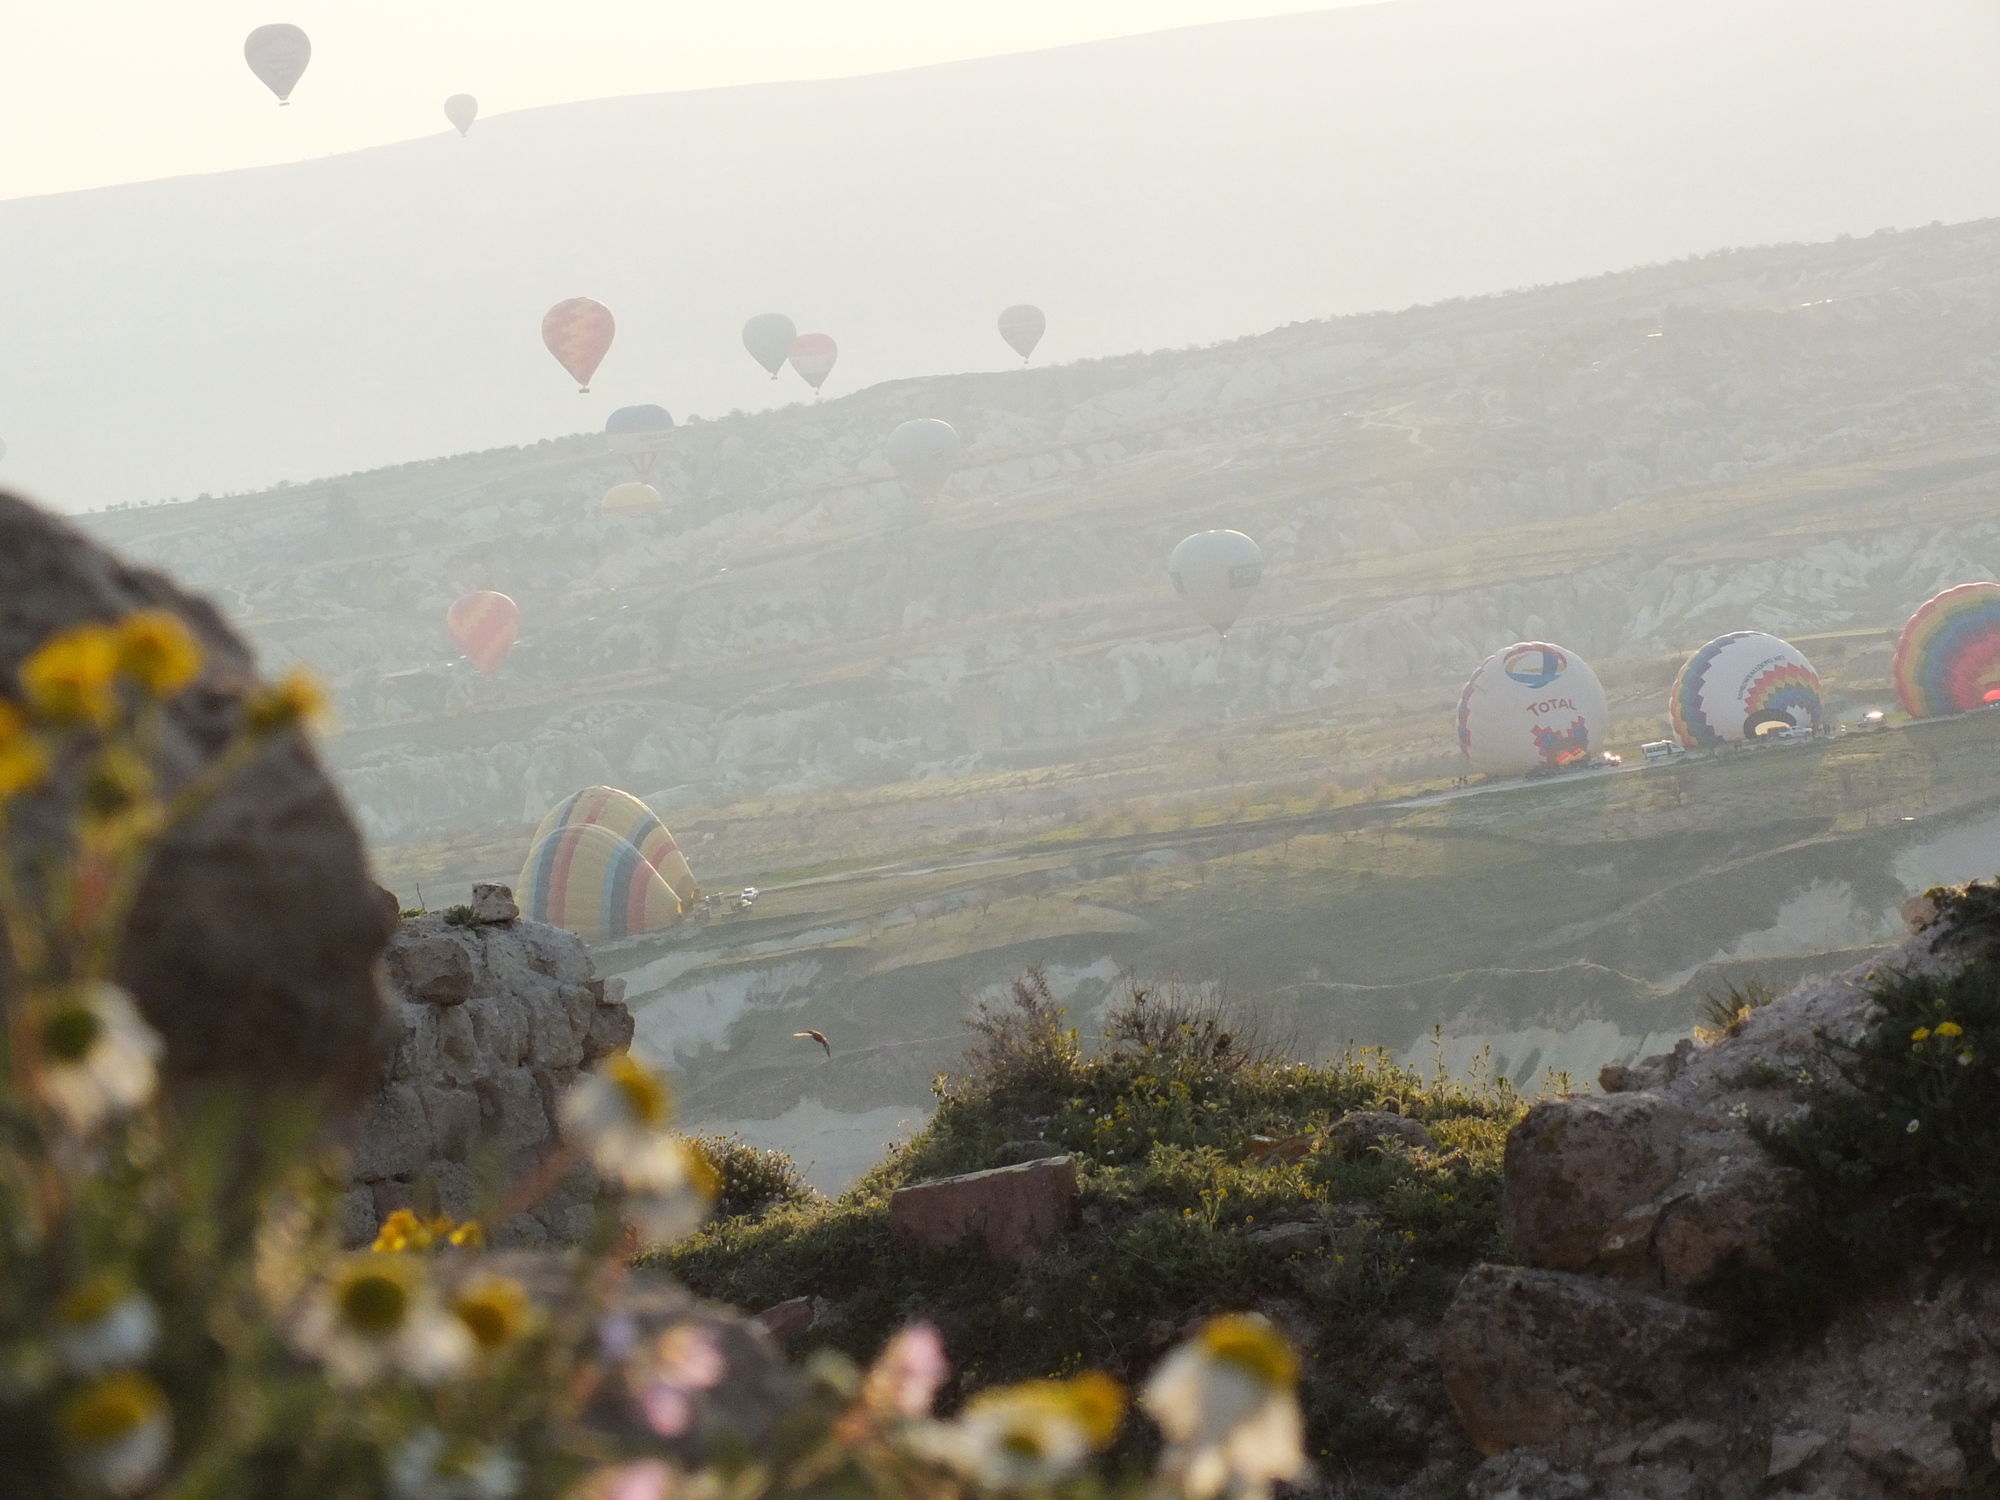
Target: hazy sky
103,91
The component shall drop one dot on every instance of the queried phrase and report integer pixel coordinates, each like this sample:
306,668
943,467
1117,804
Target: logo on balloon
1535,666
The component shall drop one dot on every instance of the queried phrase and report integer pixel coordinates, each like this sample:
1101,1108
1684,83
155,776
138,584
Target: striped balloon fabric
485,625
587,879
624,815
1743,685
1948,656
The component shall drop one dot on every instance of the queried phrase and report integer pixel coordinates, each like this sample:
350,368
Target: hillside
216,333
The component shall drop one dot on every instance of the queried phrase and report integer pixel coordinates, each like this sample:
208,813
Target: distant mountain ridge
223,332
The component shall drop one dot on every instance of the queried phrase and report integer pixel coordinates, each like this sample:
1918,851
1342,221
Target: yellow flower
1031,1435
1921,1034
404,1231
1227,1401
72,678
1950,1028
158,652
117,1433
495,1311
378,1316
296,699
619,1113
24,761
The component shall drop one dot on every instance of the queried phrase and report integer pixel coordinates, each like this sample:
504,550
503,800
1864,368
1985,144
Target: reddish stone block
1014,1210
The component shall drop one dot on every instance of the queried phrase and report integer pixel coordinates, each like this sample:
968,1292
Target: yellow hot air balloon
630,499
631,820
589,880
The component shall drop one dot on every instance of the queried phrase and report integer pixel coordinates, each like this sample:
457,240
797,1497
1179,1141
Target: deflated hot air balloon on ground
278,55
1743,685
578,332
599,886
638,432
485,625
923,451
1022,327
812,356
461,110
1529,708
630,499
1216,571
769,338
1948,656
630,819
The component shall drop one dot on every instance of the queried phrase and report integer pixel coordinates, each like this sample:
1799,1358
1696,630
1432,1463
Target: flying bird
814,1036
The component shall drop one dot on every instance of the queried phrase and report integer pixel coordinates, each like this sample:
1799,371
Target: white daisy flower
117,1433
104,1325
431,1466
1028,1436
671,1193
97,1056
377,1318
619,1114
1227,1401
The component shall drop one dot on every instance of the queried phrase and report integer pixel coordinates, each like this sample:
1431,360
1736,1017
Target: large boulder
252,944
1013,1211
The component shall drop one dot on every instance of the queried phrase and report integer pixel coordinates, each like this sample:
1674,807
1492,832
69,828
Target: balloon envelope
924,451
1948,657
1742,685
578,332
461,110
278,55
596,884
648,418
1531,707
1022,327
631,820
769,338
813,355
1215,571
630,499
485,624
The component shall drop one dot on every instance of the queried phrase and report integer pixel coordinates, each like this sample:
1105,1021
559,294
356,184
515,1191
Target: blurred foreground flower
157,651
496,1311
1227,1401
117,1433
404,1231
378,1317
904,1380
97,1055
103,1325
296,699
683,1361
619,1114
643,1479
430,1466
72,679
1029,1436
24,760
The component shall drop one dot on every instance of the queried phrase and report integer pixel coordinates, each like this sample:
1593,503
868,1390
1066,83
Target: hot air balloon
631,498
461,110
578,332
1022,327
1531,707
769,338
485,625
813,355
634,822
924,452
1948,656
638,432
278,55
1743,685
594,883
1215,572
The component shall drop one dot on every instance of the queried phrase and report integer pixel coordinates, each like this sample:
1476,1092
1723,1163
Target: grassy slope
1170,1203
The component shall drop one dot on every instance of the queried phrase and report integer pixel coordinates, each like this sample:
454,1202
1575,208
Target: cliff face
1598,1366
498,1016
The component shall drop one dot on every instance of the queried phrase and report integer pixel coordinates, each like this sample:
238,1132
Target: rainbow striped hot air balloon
1743,685
1948,656
585,878
631,820
485,624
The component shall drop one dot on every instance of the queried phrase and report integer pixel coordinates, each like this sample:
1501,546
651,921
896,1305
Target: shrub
1727,1011
460,916
751,1180
1182,1022
1024,1046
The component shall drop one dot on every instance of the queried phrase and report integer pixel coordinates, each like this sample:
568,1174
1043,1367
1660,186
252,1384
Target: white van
1656,751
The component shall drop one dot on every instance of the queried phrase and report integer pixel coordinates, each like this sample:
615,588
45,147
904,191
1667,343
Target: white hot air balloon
461,110
1743,685
1216,571
924,451
278,55
1531,707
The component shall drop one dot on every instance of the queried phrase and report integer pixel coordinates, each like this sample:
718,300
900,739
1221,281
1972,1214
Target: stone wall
498,1015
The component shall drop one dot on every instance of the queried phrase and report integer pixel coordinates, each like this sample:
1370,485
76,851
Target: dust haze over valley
949,743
